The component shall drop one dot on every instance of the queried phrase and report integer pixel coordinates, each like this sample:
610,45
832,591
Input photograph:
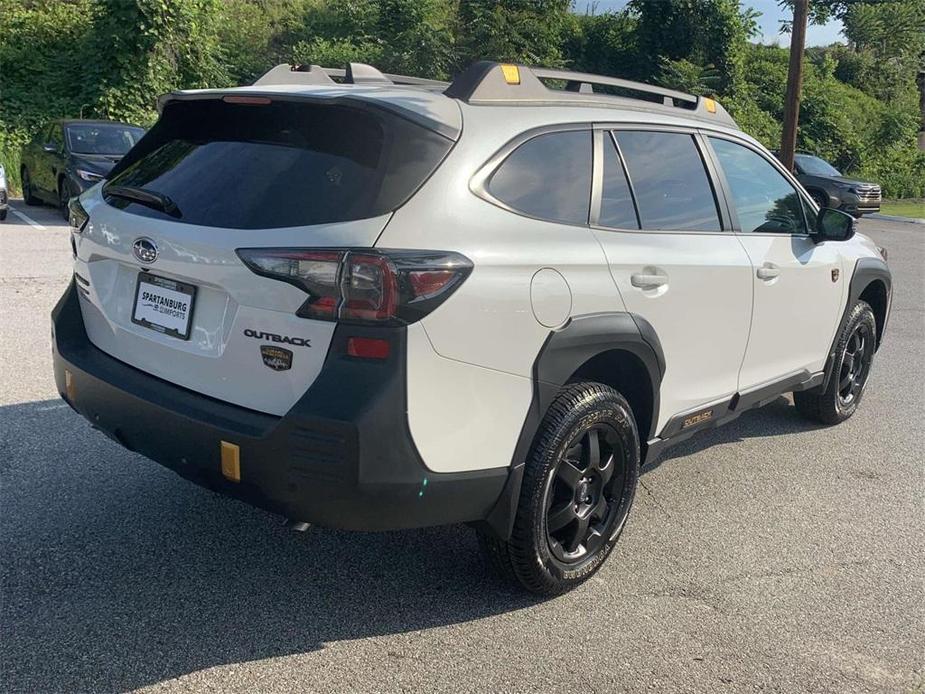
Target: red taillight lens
426,283
315,272
365,286
370,288
368,347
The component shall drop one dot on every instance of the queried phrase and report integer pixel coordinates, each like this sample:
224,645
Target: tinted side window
670,181
617,208
548,177
764,200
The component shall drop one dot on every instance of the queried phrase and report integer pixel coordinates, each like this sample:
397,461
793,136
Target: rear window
277,165
548,177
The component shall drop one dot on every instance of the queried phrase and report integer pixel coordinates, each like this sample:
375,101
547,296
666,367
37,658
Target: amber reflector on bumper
231,461
70,389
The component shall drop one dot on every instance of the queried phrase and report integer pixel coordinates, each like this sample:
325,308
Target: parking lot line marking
27,219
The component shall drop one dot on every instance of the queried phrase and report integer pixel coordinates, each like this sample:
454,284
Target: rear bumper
342,457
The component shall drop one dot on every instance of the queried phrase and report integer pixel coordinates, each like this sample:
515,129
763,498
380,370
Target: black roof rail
488,82
354,73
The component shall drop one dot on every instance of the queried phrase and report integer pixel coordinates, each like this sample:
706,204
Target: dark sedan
69,156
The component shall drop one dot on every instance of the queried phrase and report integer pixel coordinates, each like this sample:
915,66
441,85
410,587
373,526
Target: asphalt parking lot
771,555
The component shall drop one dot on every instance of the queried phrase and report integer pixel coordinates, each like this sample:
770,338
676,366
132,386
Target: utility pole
920,81
788,143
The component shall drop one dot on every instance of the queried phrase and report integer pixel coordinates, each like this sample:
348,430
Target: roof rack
488,82
354,73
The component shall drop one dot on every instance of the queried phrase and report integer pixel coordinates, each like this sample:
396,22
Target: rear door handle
768,271
647,281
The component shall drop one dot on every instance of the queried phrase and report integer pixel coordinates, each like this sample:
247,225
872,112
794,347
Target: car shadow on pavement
116,573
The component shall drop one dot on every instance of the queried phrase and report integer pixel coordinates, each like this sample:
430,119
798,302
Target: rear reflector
368,347
70,388
231,461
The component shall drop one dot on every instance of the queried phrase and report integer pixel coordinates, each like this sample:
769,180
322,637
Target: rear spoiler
363,101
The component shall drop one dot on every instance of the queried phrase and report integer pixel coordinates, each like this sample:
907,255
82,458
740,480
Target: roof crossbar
354,73
488,82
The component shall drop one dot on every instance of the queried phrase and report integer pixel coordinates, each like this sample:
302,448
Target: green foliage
711,33
689,77
604,44
138,49
112,58
524,31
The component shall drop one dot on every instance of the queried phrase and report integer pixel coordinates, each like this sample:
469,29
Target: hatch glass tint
277,164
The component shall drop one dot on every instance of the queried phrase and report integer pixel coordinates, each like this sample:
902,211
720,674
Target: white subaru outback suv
376,302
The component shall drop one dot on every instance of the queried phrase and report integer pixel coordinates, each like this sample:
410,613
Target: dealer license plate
164,305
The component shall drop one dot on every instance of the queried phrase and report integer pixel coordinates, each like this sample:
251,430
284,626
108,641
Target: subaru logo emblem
145,250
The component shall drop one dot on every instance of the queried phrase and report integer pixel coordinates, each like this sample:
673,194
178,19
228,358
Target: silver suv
374,302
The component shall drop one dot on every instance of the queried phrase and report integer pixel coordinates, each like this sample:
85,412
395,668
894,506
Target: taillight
363,286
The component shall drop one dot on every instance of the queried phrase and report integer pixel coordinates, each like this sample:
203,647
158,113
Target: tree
709,33
523,31
138,49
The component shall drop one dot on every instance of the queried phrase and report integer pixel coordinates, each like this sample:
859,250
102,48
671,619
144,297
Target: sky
771,14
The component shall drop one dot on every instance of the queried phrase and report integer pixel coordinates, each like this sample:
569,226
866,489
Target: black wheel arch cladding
871,278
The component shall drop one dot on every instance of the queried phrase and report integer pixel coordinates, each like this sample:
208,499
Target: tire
854,355
28,194
3,215
64,196
819,198
573,505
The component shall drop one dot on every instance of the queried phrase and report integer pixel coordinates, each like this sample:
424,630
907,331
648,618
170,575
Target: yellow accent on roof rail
511,74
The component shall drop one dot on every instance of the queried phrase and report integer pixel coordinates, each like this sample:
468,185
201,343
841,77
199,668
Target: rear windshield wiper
149,198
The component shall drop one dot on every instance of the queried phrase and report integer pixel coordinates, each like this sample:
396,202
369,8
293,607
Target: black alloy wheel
820,198
849,370
855,366
578,485
580,500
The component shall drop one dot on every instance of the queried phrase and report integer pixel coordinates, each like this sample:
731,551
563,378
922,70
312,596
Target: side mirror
833,225
50,147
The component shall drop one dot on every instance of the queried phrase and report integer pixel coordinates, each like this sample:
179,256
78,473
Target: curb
891,218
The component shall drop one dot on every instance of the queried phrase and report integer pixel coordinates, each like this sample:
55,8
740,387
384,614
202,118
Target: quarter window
669,180
764,200
548,177
617,209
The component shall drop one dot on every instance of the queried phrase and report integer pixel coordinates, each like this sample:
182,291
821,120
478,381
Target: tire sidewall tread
527,556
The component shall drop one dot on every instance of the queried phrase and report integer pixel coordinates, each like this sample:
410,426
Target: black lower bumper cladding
342,457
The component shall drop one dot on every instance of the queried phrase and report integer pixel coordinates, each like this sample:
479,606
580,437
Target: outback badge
276,358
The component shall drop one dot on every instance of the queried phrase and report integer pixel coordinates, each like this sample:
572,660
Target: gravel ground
770,555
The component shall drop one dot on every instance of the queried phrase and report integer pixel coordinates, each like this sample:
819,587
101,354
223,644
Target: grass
911,207
9,157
